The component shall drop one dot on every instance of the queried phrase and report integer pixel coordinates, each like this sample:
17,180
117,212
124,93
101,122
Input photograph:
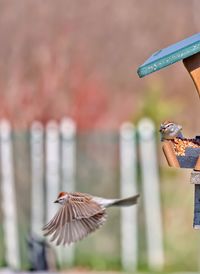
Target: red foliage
50,96
89,101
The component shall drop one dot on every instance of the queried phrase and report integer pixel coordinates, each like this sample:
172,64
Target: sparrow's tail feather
124,202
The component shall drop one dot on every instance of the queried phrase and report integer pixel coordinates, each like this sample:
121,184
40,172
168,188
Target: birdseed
180,145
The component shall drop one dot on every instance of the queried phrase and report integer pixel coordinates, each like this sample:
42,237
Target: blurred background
79,59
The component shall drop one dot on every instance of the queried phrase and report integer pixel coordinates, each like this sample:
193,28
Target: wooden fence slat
68,154
151,193
8,199
52,168
68,170
128,185
37,186
52,174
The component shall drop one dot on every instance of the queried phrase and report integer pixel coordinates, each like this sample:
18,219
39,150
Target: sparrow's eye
61,200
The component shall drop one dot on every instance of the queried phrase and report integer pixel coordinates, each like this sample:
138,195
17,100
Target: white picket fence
61,138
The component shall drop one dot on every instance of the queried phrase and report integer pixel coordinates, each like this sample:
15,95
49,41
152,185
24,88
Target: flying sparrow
170,130
79,215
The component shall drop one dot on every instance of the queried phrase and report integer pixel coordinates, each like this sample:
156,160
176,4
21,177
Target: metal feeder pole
195,179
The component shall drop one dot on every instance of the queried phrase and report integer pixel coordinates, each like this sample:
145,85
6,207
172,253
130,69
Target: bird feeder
187,51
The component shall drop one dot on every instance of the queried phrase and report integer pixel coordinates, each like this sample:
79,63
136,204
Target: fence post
151,193
128,178
8,199
68,170
52,173
37,187
52,167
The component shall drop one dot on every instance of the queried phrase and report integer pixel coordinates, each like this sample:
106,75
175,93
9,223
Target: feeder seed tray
182,153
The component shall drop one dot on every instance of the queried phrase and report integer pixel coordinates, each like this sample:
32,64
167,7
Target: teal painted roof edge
169,59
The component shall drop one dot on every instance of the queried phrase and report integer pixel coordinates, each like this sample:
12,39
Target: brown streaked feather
83,205
82,201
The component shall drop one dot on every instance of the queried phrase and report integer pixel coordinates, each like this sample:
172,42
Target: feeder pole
195,179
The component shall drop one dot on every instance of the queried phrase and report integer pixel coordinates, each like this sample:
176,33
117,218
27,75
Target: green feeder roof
172,54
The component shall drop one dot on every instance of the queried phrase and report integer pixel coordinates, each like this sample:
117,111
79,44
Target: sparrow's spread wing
78,229
78,217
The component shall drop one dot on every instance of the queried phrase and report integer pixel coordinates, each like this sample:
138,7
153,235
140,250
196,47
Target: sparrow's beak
56,201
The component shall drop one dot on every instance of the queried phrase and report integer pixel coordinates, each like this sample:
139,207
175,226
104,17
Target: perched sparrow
170,130
79,215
